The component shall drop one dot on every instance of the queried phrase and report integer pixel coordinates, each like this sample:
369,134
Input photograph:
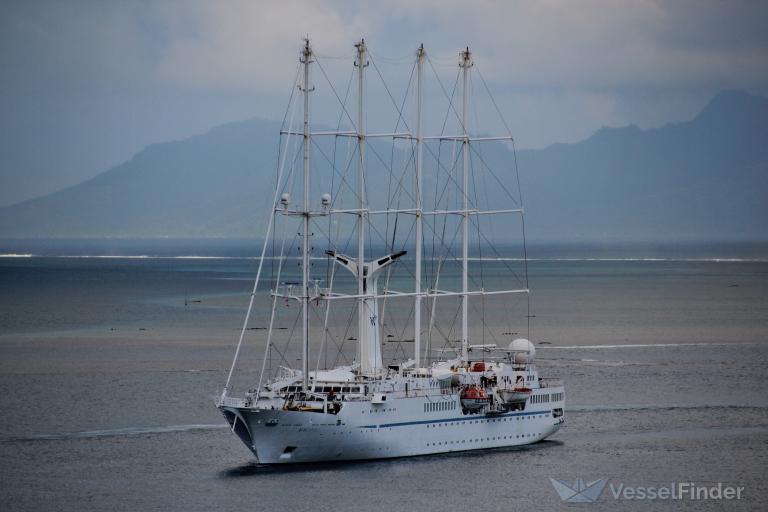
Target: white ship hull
399,428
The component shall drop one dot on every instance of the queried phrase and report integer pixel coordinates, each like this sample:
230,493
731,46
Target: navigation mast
420,54
465,64
306,60
361,62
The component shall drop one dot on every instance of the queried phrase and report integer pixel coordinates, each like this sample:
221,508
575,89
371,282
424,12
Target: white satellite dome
524,350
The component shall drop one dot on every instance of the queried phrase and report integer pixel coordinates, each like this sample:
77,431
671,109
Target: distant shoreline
720,250
196,257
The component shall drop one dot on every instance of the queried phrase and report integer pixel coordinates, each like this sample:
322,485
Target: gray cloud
126,74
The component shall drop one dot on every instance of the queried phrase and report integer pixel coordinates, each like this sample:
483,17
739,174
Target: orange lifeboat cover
474,392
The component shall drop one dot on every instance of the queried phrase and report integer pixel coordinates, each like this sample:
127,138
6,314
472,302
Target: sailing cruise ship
480,389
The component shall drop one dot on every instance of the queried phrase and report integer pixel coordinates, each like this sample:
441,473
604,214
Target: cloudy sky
86,84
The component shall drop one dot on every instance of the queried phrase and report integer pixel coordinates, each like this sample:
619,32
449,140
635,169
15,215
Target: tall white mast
306,59
417,306
361,63
465,64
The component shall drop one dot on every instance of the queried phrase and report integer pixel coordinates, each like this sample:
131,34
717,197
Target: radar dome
524,350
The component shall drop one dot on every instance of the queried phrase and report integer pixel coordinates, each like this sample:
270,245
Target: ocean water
110,366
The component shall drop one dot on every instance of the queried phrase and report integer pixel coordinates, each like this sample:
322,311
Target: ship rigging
490,394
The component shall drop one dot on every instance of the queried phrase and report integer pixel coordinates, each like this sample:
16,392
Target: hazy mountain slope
703,178
204,185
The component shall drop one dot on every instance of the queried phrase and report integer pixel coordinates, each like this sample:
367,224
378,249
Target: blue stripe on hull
460,418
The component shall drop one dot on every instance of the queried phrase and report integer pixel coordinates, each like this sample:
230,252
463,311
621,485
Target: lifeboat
478,366
474,398
515,395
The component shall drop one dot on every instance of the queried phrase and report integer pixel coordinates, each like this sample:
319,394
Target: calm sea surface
109,369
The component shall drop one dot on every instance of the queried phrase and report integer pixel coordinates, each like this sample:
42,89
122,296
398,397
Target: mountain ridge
700,178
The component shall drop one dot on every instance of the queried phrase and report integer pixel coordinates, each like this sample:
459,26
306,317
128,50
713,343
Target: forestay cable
281,167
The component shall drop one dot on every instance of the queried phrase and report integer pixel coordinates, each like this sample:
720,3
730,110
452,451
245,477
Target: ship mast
417,306
361,63
465,64
306,60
